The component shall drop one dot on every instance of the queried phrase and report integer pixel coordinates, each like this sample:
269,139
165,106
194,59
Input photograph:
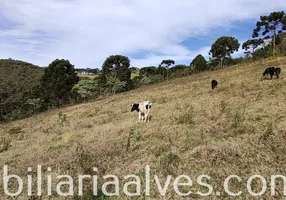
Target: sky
86,32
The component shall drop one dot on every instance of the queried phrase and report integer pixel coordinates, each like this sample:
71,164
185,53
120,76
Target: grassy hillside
237,129
17,76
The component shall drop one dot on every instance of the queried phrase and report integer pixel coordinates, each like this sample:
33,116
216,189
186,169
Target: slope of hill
16,76
239,128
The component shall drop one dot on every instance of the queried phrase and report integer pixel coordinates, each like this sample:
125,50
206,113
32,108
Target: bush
199,63
5,143
86,89
115,85
264,52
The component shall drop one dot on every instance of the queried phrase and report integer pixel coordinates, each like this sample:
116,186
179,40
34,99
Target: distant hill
16,78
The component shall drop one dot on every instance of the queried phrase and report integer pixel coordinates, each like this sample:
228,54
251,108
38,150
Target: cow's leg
277,75
139,115
146,117
143,116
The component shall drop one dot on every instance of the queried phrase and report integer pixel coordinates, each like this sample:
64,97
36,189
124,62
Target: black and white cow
143,109
271,71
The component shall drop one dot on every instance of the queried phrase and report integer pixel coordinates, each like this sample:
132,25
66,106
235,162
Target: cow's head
134,107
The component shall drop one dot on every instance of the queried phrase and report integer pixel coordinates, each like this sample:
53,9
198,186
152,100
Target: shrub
86,89
5,143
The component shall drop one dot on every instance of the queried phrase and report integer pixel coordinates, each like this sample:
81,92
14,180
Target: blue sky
86,32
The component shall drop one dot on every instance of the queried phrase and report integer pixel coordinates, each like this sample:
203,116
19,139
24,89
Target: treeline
60,84
268,39
89,71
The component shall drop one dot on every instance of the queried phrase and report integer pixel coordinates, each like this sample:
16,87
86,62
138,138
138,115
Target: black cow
214,84
271,71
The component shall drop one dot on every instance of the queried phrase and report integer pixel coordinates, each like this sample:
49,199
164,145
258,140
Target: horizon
83,32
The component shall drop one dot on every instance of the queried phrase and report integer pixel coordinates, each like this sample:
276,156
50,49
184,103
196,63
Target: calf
143,109
271,71
214,84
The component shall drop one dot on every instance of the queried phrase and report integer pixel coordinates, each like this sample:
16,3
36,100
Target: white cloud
155,60
88,31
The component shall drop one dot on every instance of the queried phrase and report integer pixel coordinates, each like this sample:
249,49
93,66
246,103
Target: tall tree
213,62
270,26
199,63
102,82
57,82
148,71
250,45
118,66
162,71
167,64
224,47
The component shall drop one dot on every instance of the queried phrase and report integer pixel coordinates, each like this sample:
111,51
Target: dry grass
92,76
237,129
